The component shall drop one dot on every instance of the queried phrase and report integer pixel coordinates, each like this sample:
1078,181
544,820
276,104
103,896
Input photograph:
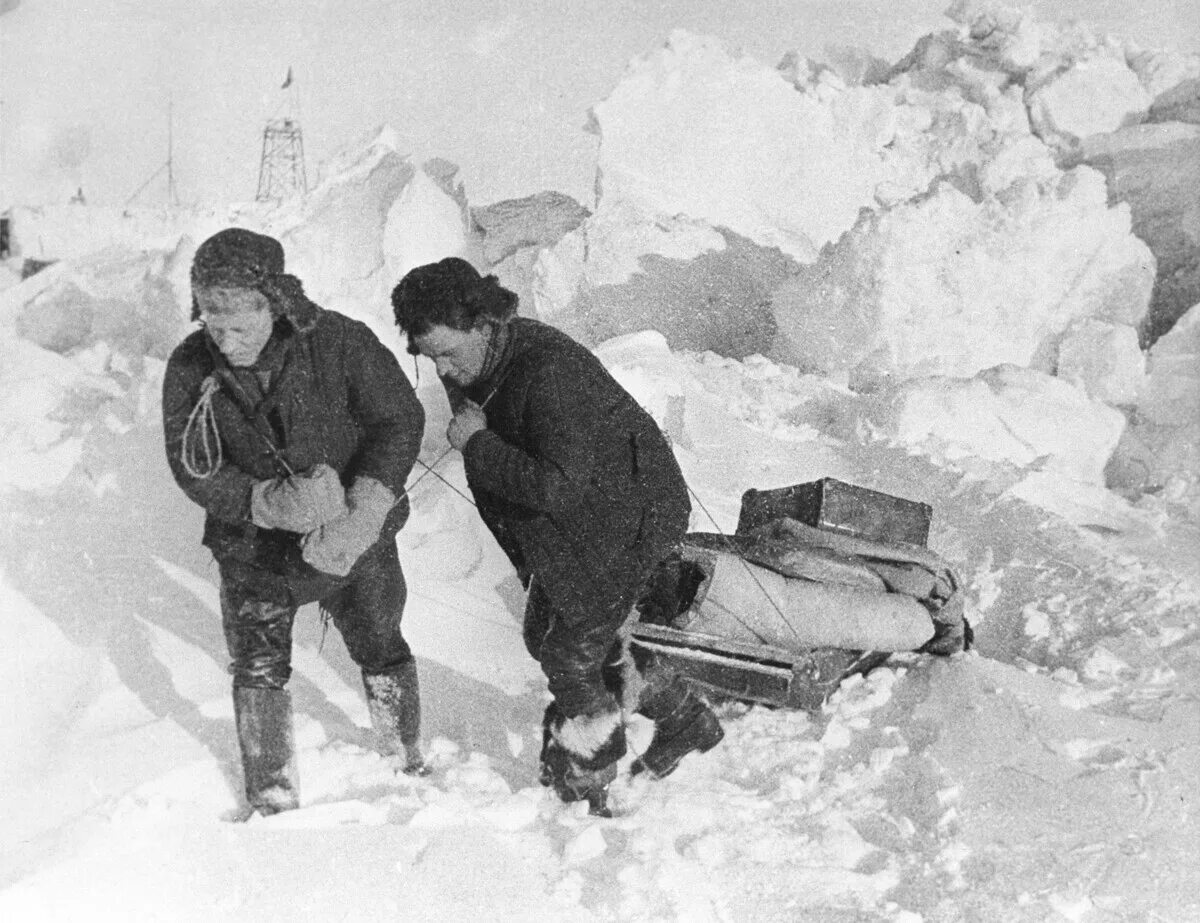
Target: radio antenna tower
168,167
281,172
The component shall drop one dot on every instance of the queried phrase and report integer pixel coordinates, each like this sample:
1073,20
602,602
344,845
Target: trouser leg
580,751
683,722
258,631
536,622
367,612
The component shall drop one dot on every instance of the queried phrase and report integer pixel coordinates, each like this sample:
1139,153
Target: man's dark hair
450,293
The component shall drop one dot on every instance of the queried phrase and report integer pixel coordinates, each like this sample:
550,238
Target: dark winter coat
334,394
579,487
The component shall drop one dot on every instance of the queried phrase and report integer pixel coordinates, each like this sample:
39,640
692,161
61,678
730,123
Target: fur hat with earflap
238,258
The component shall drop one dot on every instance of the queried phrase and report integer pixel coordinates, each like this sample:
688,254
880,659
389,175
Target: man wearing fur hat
295,429
583,493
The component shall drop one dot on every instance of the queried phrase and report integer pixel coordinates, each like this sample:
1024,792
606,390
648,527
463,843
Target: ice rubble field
1050,774
1047,772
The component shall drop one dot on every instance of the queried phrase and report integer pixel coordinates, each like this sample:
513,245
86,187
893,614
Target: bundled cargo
821,580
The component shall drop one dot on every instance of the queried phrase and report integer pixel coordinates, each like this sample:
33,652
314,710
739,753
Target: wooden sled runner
755,673
808,591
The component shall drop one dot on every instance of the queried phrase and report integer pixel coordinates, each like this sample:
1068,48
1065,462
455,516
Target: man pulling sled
583,493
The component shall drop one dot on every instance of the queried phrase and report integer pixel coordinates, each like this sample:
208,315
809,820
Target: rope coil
201,451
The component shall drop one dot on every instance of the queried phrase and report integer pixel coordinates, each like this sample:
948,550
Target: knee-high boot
394,701
683,723
264,730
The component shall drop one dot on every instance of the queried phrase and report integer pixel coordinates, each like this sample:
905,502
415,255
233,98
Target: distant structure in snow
281,172
167,167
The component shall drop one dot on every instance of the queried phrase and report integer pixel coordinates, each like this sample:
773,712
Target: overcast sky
501,88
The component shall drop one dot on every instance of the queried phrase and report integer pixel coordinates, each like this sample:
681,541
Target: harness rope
437,461
753,576
429,469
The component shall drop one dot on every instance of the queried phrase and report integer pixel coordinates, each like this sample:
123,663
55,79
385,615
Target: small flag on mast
287,82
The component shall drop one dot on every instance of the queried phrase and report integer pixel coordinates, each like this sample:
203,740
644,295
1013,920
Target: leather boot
264,730
683,723
394,701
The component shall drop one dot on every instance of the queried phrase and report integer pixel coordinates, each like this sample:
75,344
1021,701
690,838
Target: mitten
337,545
299,503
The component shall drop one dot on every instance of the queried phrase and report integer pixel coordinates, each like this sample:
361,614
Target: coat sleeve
386,409
225,493
553,471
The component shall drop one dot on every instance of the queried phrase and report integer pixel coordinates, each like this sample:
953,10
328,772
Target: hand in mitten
299,503
334,547
468,420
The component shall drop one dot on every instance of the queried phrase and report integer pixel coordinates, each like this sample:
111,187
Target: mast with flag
281,172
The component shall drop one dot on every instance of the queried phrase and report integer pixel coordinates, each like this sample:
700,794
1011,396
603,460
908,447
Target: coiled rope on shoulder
201,451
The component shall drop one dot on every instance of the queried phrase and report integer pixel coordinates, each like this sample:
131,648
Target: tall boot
579,755
394,701
264,730
683,724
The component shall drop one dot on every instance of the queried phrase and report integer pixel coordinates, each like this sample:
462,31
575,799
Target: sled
754,672
739,643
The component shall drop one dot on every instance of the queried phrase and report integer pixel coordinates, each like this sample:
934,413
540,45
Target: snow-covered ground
1050,774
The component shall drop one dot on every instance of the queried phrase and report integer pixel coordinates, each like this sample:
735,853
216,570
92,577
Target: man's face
458,354
238,320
